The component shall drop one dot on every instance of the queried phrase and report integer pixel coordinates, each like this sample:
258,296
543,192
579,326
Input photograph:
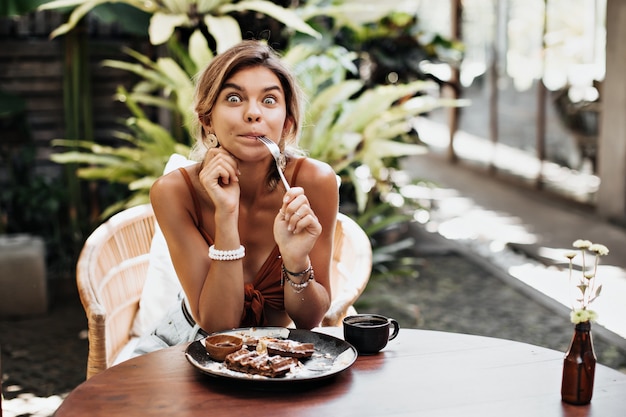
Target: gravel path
453,293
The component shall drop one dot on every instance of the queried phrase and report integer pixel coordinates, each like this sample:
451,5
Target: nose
253,114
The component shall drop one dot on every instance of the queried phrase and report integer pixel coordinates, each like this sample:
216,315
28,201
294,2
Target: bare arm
310,212
214,288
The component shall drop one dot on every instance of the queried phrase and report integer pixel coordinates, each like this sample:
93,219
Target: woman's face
251,104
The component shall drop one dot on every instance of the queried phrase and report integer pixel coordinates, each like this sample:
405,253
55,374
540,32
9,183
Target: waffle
255,363
282,347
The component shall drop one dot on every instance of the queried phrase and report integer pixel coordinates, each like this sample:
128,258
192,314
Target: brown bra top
266,288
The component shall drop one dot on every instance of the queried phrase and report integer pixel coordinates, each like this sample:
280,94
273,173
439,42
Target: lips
254,136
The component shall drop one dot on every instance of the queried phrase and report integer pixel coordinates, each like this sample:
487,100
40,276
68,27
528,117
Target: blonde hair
246,54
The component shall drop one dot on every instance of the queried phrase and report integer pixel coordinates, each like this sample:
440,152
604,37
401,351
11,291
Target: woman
246,251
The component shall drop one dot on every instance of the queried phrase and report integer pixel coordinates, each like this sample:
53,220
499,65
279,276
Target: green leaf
14,8
205,6
389,148
321,115
137,199
151,100
199,50
178,6
143,183
351,14
72,143
225,30
131,19
84,7
359,190
138,69
162,26
174,74
284,15
375,101
62,4
83,158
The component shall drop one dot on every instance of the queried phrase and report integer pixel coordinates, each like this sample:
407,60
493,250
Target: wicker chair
112,266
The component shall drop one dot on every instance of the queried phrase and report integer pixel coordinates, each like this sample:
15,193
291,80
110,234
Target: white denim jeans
174,329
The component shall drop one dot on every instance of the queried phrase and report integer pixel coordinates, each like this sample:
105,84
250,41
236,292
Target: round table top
425,373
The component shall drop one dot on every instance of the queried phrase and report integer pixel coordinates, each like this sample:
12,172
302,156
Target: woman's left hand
296,228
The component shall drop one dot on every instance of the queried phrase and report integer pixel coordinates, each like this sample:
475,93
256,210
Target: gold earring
212,141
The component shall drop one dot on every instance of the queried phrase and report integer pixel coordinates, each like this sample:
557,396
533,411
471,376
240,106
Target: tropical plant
213,16
136,163
346,129
357,130
389,42
394,49
145,145
360,131
166,83
350,126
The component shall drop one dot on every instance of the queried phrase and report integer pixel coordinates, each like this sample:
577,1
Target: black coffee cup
369,333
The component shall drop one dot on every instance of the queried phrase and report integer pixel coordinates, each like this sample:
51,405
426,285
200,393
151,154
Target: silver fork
273,148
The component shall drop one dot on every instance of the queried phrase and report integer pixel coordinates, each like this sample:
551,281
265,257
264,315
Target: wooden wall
32,67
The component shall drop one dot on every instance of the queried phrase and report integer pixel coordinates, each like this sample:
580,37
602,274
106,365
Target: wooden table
420,373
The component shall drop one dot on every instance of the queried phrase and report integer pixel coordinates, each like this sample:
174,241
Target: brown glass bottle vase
579,367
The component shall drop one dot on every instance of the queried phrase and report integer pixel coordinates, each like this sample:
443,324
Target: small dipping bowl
220,345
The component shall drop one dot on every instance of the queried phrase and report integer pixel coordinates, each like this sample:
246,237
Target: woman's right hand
219,177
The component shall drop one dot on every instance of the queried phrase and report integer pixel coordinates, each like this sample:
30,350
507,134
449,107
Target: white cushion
162,287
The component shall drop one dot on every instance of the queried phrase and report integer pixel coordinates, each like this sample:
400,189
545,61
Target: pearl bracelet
226,255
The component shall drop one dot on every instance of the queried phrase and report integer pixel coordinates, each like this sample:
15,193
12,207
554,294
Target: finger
220,156
292,195
301,219
300,205
307,222
222,168
292,220
223,176
300,212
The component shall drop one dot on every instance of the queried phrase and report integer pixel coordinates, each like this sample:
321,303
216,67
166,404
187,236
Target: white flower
587,282
599,249
581,316
582,244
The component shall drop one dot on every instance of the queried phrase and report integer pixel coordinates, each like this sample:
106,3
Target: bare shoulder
316,173
319,182
167,188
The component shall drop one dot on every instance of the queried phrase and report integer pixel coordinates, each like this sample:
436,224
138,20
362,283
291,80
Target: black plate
331,356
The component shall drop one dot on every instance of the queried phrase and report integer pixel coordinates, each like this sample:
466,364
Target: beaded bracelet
297,287
298,274
226,255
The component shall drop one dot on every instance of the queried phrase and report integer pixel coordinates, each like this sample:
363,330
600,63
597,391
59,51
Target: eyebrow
265,90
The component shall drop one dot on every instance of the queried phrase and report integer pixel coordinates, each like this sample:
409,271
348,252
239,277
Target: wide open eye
233,98
270,100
